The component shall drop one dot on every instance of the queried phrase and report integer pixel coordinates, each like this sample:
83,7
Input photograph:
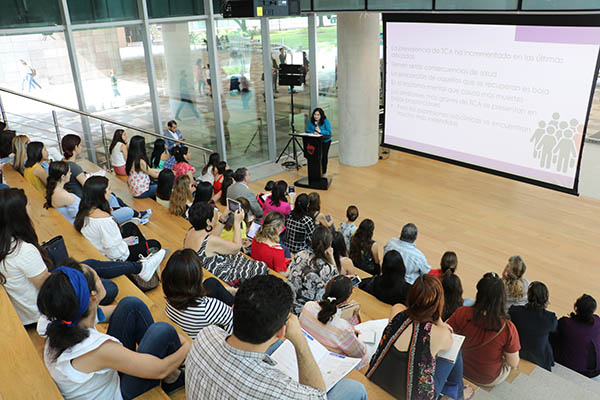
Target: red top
182,168
436,272
483,364
274,257
218,184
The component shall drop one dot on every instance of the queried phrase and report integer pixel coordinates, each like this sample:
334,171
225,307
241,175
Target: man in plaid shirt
237,366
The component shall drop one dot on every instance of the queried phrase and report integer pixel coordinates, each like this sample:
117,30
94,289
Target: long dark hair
136,153
159,149
448,263
34,153
56,171
204,192
94,191
227,181
362,241
68,144
179,153
323,117
490,302
393,270
16,226
117,138
278,193
337,291
314,203
6,138
586,306
166,180
213,161
300,207
58,302
339,249
320,242
453,292
182,279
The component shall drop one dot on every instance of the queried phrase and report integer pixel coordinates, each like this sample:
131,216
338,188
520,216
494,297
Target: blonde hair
19,144
271,228
180,196
515,269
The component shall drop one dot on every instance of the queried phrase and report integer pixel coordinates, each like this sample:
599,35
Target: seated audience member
340,254
311,269
133,356
449,262
204,194
299,226
139,171
406,363
261,197
266,246
24,265
227,182
118,152
33,172
414,260
389,287
164,188
516,285
181,197
19,145
535,324
314,210
277,201
221,168
227,232
491,346
323,321
6,146
94,222
67,203
577,340
364,251
348,227
240,189
172,133
211,169
182,162
191,303
220,257
160,154
453,294
261,317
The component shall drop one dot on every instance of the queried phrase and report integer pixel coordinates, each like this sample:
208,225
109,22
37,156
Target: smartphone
291,189
233,205
328,218
253,229
355,280
133,241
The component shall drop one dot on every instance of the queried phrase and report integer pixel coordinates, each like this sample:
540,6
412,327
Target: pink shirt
284,207
182,168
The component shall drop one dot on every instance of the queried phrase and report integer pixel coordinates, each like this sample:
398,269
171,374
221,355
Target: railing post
106,152
56,127
2,111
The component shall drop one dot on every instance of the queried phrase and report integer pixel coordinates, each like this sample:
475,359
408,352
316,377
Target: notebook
452,352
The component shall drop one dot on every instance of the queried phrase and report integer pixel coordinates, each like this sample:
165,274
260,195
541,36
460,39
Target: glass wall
242,98
328,5
400,5
561,5
86,11
327,68
182,77
174,8
24,13
476,5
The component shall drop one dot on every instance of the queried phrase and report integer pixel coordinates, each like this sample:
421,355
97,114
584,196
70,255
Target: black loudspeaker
291,74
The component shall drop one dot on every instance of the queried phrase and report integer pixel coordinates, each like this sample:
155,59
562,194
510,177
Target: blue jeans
112,269
151,192
121,212
468,302
133,325
448,377
216,290
346,389
3,186
111,292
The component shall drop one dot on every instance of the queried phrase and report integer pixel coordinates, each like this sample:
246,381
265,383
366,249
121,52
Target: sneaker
151,264
170,388
145,216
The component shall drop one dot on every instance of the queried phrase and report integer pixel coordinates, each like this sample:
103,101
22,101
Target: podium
312,145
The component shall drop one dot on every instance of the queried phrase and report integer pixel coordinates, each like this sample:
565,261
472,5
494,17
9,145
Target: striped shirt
414,260
209,311
217,371
337,335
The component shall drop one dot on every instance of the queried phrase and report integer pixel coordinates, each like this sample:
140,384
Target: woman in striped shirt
191,303
323,321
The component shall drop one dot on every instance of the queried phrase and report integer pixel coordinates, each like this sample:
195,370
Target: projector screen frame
531,19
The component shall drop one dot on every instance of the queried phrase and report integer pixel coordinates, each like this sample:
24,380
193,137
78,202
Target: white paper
375,326
452,352
368,337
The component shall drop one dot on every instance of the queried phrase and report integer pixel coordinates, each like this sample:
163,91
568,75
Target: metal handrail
30,119
108,120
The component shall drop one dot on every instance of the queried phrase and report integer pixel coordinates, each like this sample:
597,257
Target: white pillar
358,87
178,58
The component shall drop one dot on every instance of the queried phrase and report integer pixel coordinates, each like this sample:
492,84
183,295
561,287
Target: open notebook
452,352
333,366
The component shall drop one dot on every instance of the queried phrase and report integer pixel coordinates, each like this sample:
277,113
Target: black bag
56,249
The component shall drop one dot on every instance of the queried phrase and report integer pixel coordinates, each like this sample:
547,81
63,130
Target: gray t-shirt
73,185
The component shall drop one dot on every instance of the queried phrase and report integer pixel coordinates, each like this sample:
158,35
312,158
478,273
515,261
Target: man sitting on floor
414,260
237,366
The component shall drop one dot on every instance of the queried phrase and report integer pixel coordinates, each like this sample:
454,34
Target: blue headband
81,289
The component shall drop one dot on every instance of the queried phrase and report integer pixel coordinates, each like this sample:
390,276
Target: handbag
143,285
56,249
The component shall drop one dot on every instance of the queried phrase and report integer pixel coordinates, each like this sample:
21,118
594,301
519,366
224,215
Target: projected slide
513,99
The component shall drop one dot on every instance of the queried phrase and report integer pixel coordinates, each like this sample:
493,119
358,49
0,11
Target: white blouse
105,235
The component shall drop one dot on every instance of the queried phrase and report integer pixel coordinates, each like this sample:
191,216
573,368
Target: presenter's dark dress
325,129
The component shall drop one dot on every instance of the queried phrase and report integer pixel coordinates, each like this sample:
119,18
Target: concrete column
178,60
358,87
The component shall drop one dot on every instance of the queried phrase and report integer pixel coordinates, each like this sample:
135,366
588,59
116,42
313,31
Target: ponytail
57,170
337,291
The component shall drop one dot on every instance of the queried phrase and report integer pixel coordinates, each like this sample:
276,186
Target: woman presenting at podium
319,123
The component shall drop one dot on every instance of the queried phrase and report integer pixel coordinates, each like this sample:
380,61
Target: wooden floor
483,218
